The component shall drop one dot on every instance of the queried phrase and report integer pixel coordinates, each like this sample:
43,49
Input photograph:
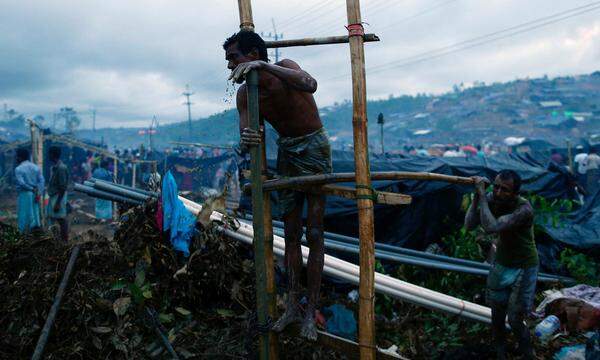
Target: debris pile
131,297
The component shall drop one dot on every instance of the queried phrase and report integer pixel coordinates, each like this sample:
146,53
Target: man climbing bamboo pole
287,103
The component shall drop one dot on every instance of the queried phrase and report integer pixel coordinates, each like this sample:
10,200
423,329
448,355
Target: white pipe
385,284
328,270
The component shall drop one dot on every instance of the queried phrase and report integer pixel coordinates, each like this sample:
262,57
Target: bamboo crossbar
278,184
73,142
342,39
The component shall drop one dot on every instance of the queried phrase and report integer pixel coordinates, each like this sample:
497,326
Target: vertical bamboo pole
258,216
363,187
116,170
245,8
115,180
37,157
261,210
133,166
269,261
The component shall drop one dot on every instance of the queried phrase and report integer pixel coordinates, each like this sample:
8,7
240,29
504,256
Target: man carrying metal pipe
514,273
286,101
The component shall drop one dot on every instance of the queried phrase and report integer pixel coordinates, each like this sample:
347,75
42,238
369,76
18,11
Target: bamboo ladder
363,192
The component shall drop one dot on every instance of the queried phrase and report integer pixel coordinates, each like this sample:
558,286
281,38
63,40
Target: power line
370,9
485,39
301,16
416,15
274,36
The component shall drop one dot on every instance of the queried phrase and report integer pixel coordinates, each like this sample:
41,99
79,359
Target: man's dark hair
512,175
22,154
104,164
54,152
248,41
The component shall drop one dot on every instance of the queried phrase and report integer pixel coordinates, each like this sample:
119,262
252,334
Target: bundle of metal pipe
105,195
383,284
401,255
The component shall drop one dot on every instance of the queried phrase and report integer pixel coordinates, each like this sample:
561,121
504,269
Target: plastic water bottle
545,329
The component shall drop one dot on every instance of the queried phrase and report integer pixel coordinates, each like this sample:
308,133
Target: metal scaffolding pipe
348,244
141,191
109,187
104,195
406,291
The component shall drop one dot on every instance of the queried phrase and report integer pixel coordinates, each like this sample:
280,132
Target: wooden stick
317,41
382,197
41,344
366,220
344,346
73,142
310,180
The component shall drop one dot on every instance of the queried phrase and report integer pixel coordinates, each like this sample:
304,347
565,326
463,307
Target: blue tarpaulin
177,218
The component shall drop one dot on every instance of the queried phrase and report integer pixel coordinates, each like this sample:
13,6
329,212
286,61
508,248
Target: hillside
549,109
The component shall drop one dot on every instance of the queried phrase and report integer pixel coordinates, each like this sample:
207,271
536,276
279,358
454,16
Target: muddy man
286,101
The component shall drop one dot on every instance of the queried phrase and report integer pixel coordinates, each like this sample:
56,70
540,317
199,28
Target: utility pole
94,122
274,36
187,94
152,131
381,121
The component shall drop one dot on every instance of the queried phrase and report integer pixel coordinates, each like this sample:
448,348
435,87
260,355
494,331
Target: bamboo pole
259,218
317,41
310,180
245,9
269,260
366,322
570,156
133,167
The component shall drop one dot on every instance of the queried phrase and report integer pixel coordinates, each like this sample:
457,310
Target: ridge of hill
542,108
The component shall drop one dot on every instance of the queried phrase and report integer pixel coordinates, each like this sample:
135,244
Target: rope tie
355,30
372,196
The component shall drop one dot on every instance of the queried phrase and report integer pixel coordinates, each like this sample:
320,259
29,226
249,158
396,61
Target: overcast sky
131,60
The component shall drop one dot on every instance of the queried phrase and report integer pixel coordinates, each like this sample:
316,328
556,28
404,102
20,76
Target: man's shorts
62,210
512,287
305,155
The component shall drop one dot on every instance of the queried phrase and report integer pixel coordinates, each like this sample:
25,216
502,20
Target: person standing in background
30,188
592,163
103,207
57,191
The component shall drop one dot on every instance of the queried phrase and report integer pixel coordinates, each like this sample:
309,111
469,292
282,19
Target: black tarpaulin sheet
436,207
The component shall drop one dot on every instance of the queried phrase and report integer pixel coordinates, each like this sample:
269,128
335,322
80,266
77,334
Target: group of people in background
31,187
587,169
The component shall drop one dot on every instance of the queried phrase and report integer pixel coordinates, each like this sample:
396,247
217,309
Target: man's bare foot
291,315
309,328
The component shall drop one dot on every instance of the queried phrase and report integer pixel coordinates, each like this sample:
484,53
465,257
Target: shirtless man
286,101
